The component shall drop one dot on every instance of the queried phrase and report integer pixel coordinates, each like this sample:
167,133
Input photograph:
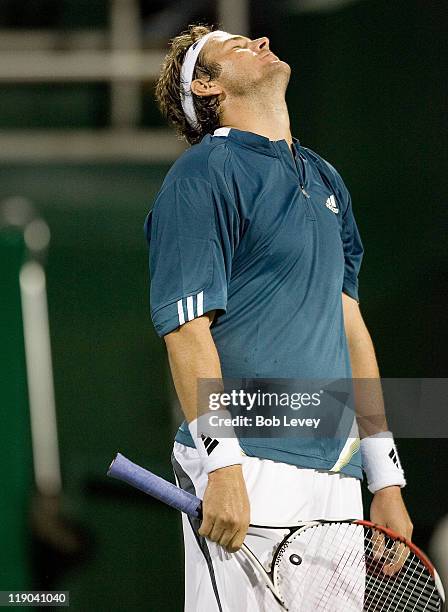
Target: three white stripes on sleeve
190,303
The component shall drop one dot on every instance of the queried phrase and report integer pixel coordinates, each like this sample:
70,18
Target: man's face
247,65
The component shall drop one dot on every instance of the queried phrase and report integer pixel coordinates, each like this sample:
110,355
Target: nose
261,44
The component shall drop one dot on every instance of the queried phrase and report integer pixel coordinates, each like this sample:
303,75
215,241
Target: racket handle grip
123,469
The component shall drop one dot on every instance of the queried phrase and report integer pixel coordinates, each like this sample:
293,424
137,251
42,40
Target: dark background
368,93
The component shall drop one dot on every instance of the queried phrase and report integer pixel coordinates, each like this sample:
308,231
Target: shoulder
191,183
200,161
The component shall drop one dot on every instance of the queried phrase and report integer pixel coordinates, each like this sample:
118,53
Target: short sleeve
353,250
190,254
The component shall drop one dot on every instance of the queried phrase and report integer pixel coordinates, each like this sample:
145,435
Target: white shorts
280,494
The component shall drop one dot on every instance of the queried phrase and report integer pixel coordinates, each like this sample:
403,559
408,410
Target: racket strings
408,589
311,563
350,593
338,570
338,534
375,592
345,567
414,596
285,581
326,562
419,594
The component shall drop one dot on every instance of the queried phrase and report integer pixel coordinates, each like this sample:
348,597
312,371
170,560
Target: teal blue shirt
268,239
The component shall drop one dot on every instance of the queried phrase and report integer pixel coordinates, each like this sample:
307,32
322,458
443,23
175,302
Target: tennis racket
319,566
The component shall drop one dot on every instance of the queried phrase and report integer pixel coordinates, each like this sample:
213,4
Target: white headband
186,76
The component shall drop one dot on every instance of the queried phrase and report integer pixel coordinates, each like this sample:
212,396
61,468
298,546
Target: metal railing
115,56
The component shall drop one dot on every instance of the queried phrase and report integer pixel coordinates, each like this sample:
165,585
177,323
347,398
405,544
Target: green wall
110,376
15,442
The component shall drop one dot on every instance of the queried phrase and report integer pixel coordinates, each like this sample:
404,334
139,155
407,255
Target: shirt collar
252,141
222,131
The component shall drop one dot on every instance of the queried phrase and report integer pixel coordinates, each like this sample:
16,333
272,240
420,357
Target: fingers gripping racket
321,566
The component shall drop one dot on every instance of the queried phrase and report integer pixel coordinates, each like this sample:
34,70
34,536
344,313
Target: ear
201,87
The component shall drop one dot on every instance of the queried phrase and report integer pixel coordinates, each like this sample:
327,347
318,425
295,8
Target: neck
267,117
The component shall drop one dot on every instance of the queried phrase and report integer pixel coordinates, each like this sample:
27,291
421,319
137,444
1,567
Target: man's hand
225,508
388,509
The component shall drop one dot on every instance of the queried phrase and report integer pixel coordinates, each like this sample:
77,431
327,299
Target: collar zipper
295,159
298,160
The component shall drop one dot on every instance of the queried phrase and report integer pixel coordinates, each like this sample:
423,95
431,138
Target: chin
280,65
284,65
282,69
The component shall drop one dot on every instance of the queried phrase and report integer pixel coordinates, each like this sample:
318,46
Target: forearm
387,506
192,356
362,354
369,403
379,454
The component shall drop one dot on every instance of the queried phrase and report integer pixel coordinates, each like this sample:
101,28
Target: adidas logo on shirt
331,204
192,303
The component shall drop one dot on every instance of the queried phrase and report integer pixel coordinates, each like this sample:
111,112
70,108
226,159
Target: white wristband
215,453
380,462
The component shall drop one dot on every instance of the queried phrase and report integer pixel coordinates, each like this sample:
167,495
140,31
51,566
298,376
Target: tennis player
254,260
